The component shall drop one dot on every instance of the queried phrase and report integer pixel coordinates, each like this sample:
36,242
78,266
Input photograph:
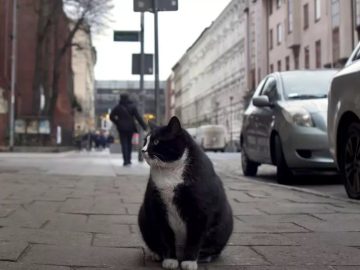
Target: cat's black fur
200,200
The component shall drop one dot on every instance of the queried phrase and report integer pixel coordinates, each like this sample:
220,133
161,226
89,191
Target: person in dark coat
123,116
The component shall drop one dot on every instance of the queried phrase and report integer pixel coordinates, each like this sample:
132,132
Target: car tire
249,167
283,173
350,161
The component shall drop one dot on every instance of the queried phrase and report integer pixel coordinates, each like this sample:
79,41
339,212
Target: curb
302,190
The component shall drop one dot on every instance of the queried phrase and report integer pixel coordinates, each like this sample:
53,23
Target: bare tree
92,13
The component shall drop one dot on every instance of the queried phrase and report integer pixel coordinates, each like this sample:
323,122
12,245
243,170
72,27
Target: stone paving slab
43,236
53,221
21,266
11,251
85,256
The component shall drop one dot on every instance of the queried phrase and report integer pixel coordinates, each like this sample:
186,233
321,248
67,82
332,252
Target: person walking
123,116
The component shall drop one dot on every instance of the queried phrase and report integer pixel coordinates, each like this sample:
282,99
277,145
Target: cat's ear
174,125
152,125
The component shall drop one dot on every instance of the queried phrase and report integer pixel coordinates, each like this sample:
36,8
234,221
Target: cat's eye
156,142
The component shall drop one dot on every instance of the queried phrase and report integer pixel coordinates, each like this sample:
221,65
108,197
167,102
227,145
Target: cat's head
165,145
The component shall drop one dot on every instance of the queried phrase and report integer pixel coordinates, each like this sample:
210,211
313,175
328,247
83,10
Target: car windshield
307,85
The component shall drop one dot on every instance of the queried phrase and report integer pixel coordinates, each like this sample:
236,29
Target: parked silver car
286,124
344,123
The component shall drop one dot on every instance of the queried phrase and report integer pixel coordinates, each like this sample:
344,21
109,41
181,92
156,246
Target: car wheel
283,173
249,167
350,161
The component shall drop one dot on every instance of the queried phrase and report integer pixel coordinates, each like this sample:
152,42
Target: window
357,12
307,57
271,39
296,61
290,16
279,65
318,53
279,33
336,44
287,63
278,4
271,68
306,16
270,89
270,7
335,13
317,10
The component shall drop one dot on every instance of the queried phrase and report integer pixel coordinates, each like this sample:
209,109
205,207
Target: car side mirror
262,101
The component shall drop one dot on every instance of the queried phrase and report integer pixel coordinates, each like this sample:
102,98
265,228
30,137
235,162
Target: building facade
309,34
209,78
83,62
215,78
29,100
108,94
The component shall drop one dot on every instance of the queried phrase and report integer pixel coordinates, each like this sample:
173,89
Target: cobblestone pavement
78,211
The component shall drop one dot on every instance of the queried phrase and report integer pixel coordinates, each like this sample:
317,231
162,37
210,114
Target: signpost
162,5
155,6
127,36
148,64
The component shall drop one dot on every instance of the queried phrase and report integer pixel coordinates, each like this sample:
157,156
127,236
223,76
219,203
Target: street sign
163,5
148,64
130,36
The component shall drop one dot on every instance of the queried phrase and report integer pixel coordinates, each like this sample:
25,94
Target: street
328,183
72,211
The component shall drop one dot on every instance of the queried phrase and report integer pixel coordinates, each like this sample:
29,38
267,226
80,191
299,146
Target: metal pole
156,55
231,124
142,60
13,76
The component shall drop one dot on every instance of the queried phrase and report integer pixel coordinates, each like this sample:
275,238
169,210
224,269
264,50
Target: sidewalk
59,213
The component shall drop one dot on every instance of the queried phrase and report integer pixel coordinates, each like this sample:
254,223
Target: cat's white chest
166,181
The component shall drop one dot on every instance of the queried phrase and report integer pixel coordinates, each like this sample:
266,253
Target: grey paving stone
240,256
22,218
11,251
302,267
121,239
334,223
42,236
6,210
116,219
90,206
21,266
85,256
267,227
132,209
260,239
297,208
311,255
81,223
325,238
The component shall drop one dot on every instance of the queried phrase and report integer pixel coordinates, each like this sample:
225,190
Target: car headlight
298,116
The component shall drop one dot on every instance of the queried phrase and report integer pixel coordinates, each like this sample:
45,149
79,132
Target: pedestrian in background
123,116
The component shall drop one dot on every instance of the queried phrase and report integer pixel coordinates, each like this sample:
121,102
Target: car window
270,89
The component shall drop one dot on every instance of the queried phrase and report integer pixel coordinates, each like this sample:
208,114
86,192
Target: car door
264,118
249,127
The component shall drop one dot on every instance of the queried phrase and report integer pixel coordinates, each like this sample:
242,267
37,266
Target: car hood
311,105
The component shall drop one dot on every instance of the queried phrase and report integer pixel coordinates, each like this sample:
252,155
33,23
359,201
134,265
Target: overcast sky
177,31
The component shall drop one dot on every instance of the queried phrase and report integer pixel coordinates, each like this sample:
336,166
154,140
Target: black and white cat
185,216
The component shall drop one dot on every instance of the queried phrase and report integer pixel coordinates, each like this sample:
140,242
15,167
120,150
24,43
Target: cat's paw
154,257
170,264
189,265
